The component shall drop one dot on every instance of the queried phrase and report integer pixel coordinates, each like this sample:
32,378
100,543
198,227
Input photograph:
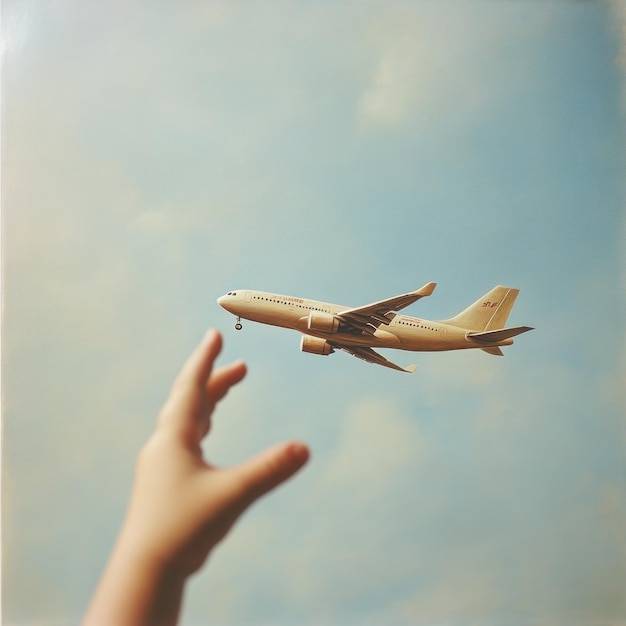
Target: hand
181,506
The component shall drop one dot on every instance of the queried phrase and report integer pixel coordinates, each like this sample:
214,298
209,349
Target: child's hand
181,506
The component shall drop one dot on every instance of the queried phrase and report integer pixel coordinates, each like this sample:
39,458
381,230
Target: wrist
138,588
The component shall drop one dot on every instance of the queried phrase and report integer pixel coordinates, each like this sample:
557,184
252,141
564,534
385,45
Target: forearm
135,591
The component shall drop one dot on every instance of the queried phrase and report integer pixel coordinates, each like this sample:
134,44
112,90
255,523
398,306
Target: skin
181,506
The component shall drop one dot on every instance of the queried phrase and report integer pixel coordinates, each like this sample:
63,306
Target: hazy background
157,155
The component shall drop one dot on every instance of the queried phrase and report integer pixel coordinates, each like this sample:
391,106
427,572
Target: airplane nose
227,302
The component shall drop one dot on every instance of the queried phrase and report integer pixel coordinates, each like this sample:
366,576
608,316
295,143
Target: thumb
268,469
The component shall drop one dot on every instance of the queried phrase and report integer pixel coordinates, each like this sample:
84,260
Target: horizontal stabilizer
496,336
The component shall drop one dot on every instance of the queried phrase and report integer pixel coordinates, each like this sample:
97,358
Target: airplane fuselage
401,333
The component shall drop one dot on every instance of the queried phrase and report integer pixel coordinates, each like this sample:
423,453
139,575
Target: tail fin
487,313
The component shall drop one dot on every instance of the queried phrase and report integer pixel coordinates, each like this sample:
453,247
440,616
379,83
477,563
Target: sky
156,155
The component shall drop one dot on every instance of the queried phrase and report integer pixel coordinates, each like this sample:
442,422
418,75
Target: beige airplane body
327,327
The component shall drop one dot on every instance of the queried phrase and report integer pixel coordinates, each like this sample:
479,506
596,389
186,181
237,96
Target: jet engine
315,345
322,322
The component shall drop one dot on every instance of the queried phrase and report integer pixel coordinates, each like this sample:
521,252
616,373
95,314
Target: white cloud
415,53
377,443
436,68
138,176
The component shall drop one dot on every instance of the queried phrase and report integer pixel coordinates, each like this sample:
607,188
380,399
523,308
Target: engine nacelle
322,322
315,345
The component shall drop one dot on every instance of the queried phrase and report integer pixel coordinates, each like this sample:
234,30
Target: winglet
427,289
410,368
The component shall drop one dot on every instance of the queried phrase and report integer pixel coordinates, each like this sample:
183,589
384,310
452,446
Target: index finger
197,369
187,398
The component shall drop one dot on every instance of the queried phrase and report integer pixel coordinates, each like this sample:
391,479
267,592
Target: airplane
328,327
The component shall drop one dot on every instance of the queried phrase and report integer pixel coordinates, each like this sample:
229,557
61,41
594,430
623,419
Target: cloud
377,443
141,177
473,515
415,54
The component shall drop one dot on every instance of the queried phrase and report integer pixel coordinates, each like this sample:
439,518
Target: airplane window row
300,306
417,325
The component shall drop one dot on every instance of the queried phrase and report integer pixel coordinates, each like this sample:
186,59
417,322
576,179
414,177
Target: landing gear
238,325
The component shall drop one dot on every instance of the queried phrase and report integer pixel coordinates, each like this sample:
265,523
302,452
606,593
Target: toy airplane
328,327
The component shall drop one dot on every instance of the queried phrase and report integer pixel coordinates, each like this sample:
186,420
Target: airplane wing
371,356
366,319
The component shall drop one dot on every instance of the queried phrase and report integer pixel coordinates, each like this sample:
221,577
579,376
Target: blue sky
157,155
